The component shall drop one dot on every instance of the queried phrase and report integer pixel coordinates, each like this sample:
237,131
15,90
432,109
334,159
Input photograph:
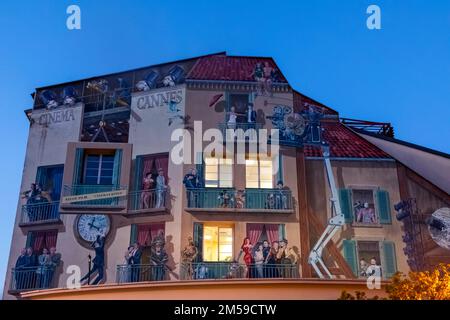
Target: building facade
102,172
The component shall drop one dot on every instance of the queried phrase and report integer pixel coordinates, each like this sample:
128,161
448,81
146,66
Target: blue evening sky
400,73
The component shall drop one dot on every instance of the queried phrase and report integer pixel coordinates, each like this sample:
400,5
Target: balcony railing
148,201
95,195
34,213
207,270
242,130
273,200
31,278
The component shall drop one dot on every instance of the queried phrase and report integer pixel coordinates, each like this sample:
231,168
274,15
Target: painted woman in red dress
248,258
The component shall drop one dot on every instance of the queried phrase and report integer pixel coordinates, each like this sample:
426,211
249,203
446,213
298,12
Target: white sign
94,196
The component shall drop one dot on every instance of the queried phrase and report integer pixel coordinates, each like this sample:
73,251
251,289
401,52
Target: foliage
422,285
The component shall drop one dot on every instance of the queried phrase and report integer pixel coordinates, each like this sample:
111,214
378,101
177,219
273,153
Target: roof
344,143
300,99
229,68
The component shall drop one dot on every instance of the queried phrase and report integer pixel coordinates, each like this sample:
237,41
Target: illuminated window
218,173
258,173
217,243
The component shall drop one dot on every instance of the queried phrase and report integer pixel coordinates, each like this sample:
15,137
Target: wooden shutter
383,206
350,255
117,167
198,240
281,232
345,199
389,263
133,233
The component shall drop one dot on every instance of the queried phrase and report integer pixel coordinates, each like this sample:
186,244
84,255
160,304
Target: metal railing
43,211
75,190
213,198
31,278
242,130
147,199
207,270
141,272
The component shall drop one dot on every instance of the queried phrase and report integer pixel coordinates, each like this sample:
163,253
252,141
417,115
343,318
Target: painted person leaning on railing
191,182
188,256
287,259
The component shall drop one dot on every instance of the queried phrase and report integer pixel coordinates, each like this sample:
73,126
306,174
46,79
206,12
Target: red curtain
146,168
147,232
39,241
44,239
272,232
50,239
163,162
254,232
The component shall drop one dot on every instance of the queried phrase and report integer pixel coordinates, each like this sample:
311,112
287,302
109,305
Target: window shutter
200,166
383,206
350,255
30,239
133,233
389,260
281,232
345,200
198,240
280,168
78,166
41,177
116,167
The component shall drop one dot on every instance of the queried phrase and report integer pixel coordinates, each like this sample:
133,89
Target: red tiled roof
344,143
300,100
229,68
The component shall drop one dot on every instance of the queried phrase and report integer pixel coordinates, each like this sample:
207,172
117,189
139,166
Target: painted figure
188,256
99,260
232,118
247,248
160,189
158,260
258,257
272,261
374,269
146,194
363,267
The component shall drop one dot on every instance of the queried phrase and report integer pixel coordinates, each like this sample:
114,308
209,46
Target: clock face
89,226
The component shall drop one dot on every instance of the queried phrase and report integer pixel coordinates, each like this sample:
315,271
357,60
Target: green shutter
383,206
389,259
116,167
78,166
200,165
350,255
137,182
133,234
281,232
30,239
198,240
345,200
280,168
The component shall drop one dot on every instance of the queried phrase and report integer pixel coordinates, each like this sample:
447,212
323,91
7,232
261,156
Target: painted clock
89,226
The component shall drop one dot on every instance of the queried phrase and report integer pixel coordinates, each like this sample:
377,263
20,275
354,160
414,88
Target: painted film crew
288,259
98,261
188,256
33,198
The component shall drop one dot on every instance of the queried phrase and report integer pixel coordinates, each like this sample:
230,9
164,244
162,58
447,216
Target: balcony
207,271
144,202
40,213
31,278
101,198
231,200
241,130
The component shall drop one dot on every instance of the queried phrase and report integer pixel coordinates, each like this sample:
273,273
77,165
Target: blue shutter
30,239
200,166
383,206
57,179
389,259
116,167
280,168
41,177
137,182
133,234
198,240
345,200
350,255
78,166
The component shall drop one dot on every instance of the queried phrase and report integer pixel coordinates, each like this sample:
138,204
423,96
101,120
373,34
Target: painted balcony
241,132
144,202
40,213
100,198
232,200
31,278
207,271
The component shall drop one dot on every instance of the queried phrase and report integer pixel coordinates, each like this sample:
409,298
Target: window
364,206
218,173
369,258
258,173
240,103
217,243
38,240
99,169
